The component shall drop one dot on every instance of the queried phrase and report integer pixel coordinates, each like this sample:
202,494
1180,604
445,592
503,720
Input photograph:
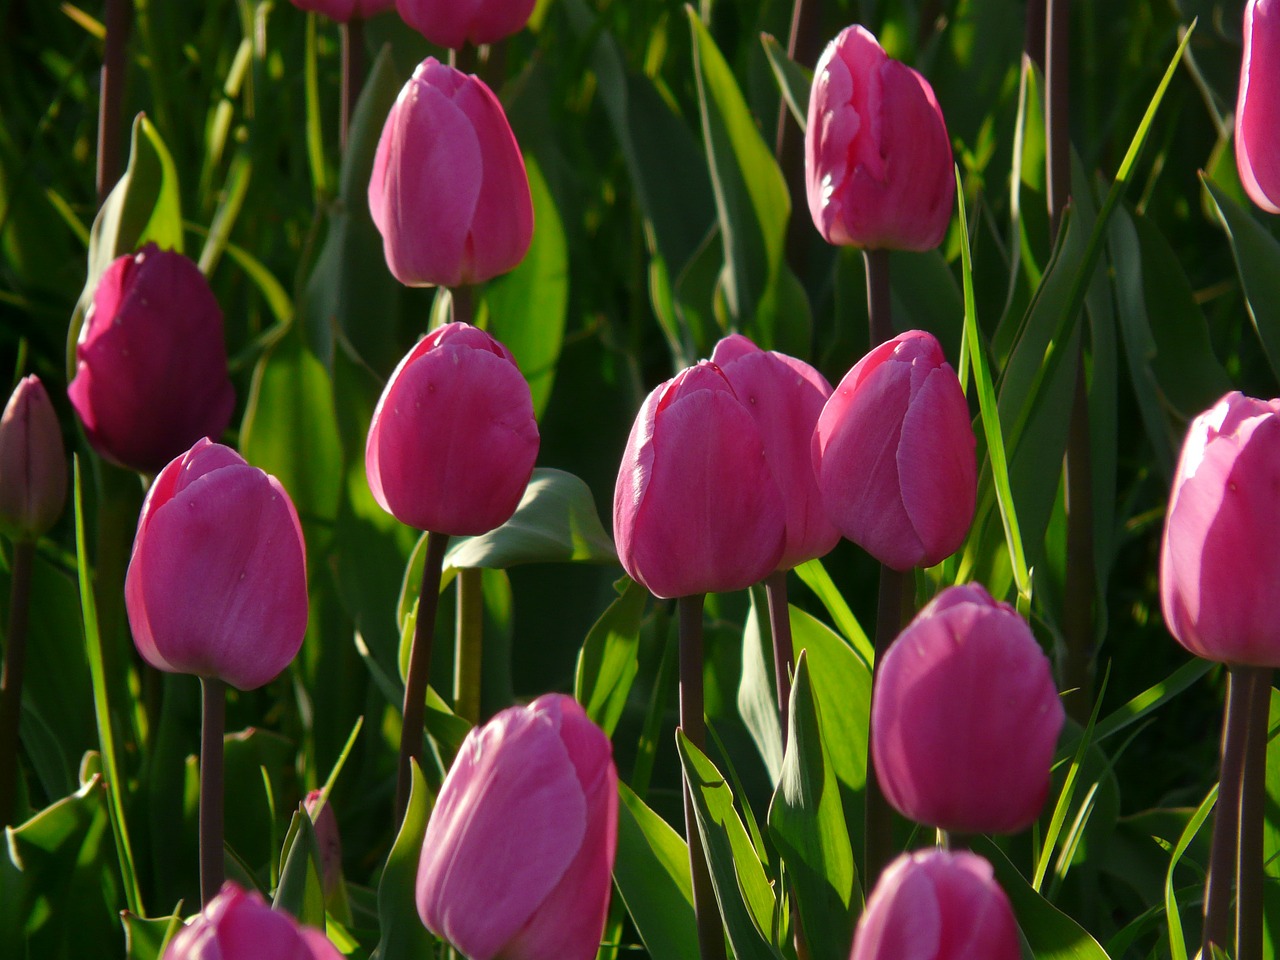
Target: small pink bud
452,23
1258,109
236,925
327,839
33,466
344,10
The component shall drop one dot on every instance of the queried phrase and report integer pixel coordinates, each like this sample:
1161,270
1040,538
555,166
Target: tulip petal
1258,108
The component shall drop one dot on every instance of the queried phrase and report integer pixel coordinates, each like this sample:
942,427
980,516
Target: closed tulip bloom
453,439
328,841
33,466
785,397
449,192
878,164
1258,109
937,905
518,854
344,10
696,508
1219,562
239,925
151,363
894,454
217,584
965,717
452,23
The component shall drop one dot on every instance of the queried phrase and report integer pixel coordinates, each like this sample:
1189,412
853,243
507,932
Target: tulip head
151,364
239,925
1219,566
1258,109
344,10
937,905
328,841
449,192
785,397
518,853
894,454
696,508
453,23
878,164
217,583
453,439
33,466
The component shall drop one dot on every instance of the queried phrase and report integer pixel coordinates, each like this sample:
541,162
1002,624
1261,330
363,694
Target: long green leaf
403,937
608,662
1177,942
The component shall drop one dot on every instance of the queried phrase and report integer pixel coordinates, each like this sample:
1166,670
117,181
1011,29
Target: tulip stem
803,46
354,68
710,933
1226,817
879,297
469,638
775,588
1253,799
462,303
879,815
213,723
111,99
15,656
415,686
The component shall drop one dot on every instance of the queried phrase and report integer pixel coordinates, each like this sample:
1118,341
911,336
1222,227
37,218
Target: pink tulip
344,10
1258,110
151,364
449,193
328,840
217,584
937,905
965,717
518,854
33,466
785,396
1219,563
893,454
236,925
452,23
453,440
696,508
878,161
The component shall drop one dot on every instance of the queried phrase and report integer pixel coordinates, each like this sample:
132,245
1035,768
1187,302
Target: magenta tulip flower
151,364
217,584
937,905
1219,563
894,454
453,439
236,925
878,164
965,717
345,10
1258,109
696,508
518,854
328,841
785,396
33,466
452,23
449,192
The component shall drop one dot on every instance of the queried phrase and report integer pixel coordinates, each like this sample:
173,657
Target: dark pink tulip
1219,562
328,841
696,508
1258,109
893,453
449,192
965,717
517,857
785,396
236,925
453,440
151,364
344,10
33,466
878,164
452,23
937,905
217,584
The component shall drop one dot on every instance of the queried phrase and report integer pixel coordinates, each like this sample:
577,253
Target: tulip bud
785,397
878,164
696,508
236,925
1219,566
328,841
344,10
893,454
1258,110
452,23
453,440
449,193
965,717
217,584
937,905
33,467
518,853
151,364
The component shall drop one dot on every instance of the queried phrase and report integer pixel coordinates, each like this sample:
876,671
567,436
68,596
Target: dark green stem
804,43
1057,106
1253,801
469,637
775,588
354,69
15,658
213,724
415,686
1034,42
879,298
462,303
1226,815
879,815
111,99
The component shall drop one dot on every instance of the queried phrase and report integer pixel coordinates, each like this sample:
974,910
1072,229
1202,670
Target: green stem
463,305
1226,816
213,725
1253,801
469,639
879,815
415,686
1034,42
116,20
804,43
354,69
15,657
879,297
775,589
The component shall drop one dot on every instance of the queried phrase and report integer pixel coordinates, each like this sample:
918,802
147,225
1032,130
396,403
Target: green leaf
1177,943
794,80
757,691
608,663
146,938
403,935
300,891
814,576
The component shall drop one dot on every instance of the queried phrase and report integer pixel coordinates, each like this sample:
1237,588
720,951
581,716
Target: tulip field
623,479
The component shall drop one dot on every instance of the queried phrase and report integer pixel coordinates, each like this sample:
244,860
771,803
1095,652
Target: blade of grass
315,127
1177,942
